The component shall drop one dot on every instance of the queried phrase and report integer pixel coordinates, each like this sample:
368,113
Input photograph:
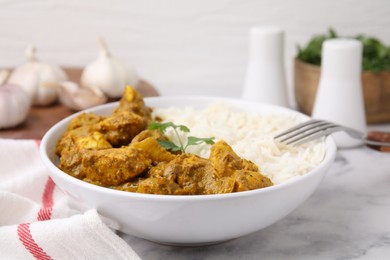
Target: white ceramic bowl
189,220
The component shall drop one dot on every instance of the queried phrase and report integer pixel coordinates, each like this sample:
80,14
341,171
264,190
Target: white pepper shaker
339,96
265,76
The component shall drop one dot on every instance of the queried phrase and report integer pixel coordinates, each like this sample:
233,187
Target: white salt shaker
265,77
339,96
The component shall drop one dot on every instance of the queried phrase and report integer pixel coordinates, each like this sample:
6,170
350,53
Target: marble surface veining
347,217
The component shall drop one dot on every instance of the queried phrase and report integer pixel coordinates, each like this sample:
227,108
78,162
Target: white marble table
348,217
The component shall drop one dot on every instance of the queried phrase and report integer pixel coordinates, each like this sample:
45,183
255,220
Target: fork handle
378,138
376,143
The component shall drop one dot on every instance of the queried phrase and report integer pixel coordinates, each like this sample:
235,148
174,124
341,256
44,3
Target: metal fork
314,129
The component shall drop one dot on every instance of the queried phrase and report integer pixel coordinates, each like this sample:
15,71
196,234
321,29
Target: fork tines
307,131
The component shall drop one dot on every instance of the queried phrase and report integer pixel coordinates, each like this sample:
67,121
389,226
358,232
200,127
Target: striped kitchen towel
37,221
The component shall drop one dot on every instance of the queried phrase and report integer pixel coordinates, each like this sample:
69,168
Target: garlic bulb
108,74
33,76
77,98
14,103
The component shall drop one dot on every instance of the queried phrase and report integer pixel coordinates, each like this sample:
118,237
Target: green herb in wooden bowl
376,55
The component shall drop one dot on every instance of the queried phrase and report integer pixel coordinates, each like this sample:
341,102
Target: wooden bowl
376,91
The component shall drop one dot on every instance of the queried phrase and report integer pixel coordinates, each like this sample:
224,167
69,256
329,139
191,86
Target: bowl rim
330,154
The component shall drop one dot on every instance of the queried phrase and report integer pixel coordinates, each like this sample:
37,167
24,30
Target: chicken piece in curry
120,152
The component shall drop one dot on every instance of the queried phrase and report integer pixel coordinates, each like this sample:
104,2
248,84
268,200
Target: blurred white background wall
181,46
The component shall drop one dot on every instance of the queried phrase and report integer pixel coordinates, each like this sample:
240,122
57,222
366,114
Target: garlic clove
66,91
34,74
108,74
14,103
86,99
4,74
97,92
77,98
26,77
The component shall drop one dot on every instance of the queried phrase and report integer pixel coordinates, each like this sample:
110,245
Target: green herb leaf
168,145
184,128
192,140
164,126
332,33
160,126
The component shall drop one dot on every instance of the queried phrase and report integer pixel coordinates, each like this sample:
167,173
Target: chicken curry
120,152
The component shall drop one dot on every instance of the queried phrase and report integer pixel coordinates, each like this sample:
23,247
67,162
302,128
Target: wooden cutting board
40,119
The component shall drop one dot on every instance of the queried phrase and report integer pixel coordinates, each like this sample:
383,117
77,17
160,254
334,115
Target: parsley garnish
169,145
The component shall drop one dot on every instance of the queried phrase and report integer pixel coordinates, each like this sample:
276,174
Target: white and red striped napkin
37,221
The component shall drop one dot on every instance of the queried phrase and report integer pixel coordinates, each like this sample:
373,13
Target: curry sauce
119,152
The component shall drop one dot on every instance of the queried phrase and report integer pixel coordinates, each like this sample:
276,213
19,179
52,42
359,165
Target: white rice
251,137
